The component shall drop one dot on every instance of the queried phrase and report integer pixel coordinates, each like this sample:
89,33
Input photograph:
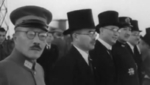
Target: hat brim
70,30
42,28
66,32
137,30
126,25
33,24
113,24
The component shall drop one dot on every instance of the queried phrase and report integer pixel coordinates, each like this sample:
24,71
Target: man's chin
34,56
114,41
92,47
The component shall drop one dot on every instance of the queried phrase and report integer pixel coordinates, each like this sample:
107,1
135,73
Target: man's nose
128,32
36,39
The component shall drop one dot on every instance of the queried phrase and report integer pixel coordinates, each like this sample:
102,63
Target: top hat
125,21
108,18
31,16
135,26
146,37
79,19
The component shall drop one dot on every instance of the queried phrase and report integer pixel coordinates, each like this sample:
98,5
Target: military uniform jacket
105,68
13,71
72,69
126,67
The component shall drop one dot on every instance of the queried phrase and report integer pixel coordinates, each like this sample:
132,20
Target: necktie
109,52
136,51
137,56
138,61
90,64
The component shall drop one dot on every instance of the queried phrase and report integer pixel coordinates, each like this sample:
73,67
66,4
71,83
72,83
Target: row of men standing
115,64
105,61
113,59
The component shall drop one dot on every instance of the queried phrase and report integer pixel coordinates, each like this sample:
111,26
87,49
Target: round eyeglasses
31,34
91,34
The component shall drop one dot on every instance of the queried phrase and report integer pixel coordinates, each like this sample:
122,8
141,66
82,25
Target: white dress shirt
83,53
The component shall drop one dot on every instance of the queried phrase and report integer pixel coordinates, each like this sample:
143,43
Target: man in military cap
125,64
102,58
75,67
6,46
132,46
20,68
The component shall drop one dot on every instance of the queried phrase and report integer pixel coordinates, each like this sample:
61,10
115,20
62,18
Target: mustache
36,47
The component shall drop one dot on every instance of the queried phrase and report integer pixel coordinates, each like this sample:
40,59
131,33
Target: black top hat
125,21
146,37
31,16
107,18
80,19
135,26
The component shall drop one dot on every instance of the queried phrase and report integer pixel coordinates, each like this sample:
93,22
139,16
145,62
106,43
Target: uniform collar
19,58
109,47
83,53
131,46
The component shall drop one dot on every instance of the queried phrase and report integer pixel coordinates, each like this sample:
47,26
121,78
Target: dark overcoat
72,69
104,65
127,72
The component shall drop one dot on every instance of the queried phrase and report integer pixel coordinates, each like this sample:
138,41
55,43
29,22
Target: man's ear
74,35
101,29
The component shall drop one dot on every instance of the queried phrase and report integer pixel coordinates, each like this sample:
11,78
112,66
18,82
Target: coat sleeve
63,72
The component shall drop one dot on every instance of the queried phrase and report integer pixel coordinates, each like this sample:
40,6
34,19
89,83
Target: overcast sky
136,9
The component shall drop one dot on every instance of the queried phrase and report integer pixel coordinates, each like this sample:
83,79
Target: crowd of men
118,55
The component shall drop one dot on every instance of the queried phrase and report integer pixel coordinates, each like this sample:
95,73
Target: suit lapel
75,53
130,50
102,47
80,61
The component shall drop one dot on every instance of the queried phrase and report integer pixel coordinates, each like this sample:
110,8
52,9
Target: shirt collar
131,46
83,53
109,47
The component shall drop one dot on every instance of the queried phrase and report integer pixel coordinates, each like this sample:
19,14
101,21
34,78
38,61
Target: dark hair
2,29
